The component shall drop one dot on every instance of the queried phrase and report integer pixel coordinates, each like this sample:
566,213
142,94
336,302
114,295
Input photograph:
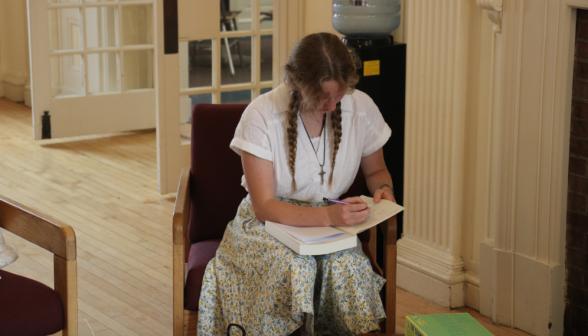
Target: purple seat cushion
28,307
215,170
200,254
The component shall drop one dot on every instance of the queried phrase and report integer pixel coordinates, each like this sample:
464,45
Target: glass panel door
224,55
233,67
91,60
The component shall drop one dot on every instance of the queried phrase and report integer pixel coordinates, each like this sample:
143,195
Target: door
223,54
92,66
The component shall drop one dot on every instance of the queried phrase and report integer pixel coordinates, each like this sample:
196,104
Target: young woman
301,142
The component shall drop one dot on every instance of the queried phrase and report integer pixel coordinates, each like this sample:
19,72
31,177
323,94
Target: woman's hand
348,214
384,193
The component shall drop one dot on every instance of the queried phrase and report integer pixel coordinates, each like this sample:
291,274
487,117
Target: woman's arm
259,174
376,174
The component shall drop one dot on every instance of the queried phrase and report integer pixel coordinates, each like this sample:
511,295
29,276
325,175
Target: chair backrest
216,170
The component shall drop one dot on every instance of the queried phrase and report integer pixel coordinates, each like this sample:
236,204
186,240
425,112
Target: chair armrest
181,214
59,239
181,248
390,230
46,232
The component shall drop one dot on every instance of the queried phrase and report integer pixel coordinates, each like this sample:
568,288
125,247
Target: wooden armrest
390,230
46,232
181,249
59,239
181,214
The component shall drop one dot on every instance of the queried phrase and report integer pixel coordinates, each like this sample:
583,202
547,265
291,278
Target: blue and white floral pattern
261,284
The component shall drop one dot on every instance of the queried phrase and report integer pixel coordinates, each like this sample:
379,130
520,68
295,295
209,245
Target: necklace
322,173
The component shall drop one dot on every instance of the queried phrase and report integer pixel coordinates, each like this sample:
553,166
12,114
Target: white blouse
262,132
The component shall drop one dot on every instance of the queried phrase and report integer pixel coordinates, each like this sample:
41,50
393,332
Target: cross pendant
322,174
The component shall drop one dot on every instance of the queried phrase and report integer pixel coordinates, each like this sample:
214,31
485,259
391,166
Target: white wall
487,136
14,51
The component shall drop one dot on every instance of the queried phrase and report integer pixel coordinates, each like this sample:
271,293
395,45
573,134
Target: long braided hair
315,59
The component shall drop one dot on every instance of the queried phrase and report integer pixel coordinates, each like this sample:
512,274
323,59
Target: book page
379,212
311,234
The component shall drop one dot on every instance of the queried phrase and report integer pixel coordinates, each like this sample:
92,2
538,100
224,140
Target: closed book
462,324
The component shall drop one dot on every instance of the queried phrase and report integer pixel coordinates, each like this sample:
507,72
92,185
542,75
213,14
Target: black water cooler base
387,89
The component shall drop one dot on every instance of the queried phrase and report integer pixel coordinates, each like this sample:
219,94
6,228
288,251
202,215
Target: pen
335,201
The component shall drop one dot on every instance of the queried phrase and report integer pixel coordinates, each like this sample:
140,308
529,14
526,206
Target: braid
336,124
293,132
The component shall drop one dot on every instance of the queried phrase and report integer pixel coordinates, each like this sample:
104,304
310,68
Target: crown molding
494,10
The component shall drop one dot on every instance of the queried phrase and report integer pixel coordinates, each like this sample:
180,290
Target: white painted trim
431,262
430,252
160,96
430,288
494,10
577,4
522,275
16,80
12,91
27,96
430,273
487,286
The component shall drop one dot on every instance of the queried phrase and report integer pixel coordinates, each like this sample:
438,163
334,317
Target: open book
324,240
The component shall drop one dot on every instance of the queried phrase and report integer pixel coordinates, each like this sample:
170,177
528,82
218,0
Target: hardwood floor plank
87,326
103,230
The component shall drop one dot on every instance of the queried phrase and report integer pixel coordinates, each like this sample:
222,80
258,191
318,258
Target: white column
522,258
429,254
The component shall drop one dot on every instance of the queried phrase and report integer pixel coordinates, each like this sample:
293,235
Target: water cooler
367,25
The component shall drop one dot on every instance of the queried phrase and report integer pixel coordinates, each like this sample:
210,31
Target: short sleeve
377,130
252,135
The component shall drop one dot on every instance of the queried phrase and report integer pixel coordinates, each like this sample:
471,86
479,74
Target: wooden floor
106,189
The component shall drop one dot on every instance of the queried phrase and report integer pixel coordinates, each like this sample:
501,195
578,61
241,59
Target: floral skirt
264,286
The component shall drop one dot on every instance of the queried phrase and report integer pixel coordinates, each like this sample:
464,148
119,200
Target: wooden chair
208,196
28,307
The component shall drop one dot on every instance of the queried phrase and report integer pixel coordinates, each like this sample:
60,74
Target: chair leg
66,284
178,289
390,269
390,290
190,323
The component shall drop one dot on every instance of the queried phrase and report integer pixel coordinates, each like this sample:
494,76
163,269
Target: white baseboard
431,289
487,286
472,291
12,91
431,274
